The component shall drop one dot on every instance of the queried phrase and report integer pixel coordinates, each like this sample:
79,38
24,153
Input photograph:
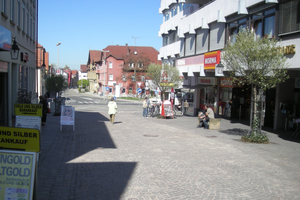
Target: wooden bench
214,124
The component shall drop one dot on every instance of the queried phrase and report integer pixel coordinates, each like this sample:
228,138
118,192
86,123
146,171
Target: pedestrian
112,110
145,108
209,114
186,106
43,101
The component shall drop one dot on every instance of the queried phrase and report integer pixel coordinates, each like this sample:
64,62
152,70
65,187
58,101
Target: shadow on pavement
63,171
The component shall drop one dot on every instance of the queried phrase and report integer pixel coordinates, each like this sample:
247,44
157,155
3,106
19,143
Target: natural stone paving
150,158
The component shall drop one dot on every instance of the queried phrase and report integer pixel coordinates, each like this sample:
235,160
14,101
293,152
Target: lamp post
14,52
57,56
104,72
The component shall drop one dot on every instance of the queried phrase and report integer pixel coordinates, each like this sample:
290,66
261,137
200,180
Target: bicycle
154,110
175,110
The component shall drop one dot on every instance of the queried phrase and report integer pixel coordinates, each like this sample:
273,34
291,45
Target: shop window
289,17
130,90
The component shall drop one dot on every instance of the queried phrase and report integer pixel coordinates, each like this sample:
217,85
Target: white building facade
18,20
194,32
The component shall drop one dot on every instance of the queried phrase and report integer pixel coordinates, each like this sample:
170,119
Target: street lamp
220,68
14,52
57,55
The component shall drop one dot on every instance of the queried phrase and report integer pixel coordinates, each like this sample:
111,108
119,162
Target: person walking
43,101
112,110
145,108
186,106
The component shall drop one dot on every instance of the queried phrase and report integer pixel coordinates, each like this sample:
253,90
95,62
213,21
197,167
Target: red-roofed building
122,69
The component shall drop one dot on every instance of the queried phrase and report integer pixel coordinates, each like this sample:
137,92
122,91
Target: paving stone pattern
148,158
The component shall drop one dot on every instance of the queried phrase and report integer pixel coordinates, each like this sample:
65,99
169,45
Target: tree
66,67
257,62
83,83
56,84
164,77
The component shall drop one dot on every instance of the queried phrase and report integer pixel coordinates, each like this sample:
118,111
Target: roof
94,56
119,52
83,68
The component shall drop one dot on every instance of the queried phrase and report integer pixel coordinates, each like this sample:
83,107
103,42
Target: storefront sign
290,49
20,138
211,59
17,174
5,39
195,60
29,109
207,81
226,82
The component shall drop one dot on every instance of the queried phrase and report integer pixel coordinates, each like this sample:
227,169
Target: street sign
107,88
139,90
114,97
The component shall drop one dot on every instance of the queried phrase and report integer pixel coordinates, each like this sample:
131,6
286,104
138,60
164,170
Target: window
140,65
110,65
133,78
3,6
12,10
111,77
234,27
124,77
19,14
289,17
131,65
24,18
263,23
110,89
143,78
123,90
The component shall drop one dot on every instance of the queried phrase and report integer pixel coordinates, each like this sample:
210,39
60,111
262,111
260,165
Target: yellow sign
29,109
165,84
17,174
290,49
20,138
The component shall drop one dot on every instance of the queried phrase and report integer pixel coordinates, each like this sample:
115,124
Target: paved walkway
150,158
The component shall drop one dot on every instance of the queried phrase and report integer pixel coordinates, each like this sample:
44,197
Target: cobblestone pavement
148,158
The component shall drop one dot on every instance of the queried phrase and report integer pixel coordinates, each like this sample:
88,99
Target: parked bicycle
176,110
154,110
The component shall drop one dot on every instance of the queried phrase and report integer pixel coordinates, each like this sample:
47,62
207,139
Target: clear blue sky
81,26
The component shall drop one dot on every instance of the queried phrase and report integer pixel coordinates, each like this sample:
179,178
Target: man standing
209,114
145,108
112,110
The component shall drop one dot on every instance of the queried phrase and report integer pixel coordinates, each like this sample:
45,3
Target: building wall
20,74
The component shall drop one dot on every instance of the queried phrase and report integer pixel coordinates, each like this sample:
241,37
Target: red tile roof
119,52
83,68
94,56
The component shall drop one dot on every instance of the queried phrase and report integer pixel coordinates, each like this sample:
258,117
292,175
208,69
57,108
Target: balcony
170,50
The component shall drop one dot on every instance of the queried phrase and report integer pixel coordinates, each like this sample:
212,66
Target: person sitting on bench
209,114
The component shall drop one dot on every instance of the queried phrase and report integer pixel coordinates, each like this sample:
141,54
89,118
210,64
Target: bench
214,124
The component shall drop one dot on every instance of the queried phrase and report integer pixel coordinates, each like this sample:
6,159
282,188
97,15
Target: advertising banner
29,109
28,122
17,175
20,138
5,39
67,115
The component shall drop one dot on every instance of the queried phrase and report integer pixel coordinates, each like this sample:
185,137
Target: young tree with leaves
164,77
56,84
257,62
